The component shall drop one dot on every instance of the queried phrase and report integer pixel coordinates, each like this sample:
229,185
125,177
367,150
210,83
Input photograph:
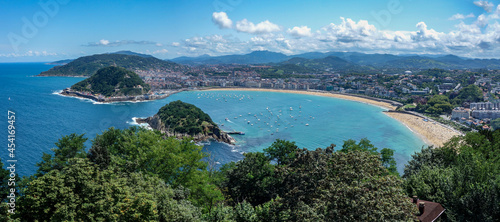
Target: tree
71,146
364,145
495,124
282,151
252,180
439,104
323,185
462,176
80,191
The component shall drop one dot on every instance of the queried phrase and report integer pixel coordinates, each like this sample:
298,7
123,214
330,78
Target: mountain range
341,60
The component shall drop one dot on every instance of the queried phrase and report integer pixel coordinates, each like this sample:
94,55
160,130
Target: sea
42,116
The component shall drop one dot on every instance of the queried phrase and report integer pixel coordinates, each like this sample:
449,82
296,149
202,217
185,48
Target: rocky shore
146,97
216,133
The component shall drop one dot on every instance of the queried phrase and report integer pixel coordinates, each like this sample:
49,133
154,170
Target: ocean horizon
43,116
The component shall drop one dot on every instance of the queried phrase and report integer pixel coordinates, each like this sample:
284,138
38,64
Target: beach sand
430,133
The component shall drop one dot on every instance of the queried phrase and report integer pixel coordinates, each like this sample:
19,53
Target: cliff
181,119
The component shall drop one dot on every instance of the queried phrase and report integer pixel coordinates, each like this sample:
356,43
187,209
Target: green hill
113,81
181,117
88,65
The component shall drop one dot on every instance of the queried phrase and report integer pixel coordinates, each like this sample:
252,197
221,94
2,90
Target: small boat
307,124
248,122
227,119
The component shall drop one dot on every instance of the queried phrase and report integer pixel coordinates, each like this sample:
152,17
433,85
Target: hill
358,61
182,119
256,57
113,81
88,65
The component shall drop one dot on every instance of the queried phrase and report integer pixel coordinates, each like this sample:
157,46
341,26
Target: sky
50,30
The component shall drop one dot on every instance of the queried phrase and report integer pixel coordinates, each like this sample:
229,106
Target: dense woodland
113,81
88,65
139,175
181,117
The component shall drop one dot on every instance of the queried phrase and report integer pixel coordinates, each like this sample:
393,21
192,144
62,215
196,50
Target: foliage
183,117
463,176
251,180
113,81
495,124
469,94
88,65
68,147
177,162
81,191
282,151
439,104
364,145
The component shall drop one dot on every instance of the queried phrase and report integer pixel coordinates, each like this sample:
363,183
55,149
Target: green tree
71,146
80,191
282,151
251,179
364,145
495,124
462,176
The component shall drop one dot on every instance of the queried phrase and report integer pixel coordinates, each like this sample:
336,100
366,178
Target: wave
135,123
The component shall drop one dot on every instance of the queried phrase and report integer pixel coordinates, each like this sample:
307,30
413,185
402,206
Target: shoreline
429,132
140,98
384,105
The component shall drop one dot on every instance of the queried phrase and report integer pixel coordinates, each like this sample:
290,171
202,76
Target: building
428,211
459,113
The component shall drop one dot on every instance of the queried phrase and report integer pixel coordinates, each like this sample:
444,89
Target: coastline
140,98
430,132
385,105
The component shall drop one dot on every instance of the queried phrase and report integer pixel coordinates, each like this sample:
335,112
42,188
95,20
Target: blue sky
49,30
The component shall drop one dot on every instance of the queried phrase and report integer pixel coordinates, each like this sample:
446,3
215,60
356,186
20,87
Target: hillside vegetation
113,81
88,65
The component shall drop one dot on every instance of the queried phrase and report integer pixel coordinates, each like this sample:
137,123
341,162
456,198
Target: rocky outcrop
210,131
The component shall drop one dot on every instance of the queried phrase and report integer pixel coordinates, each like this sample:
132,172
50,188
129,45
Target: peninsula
112,84
180,119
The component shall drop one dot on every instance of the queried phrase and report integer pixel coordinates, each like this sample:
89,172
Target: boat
307,124
227,119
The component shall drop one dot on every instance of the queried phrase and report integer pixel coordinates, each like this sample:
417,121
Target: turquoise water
312,121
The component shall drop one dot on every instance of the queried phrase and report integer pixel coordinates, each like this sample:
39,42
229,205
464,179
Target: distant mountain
132,53
88,65
256,57
333,63
60,62
358,61
113,81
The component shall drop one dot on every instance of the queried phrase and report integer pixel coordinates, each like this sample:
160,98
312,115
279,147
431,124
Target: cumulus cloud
221,19
104,42
487,6
175,44
300,31
482,20
261,28
461,16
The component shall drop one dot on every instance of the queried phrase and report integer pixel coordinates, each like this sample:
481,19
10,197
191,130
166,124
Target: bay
43,116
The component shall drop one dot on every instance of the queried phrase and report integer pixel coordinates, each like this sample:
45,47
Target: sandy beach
430,133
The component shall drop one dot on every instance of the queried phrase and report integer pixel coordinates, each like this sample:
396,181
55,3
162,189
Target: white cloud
104,42
461,16
487,6
161,51
30,53
261,28
175,44
221,19
300,31
482,20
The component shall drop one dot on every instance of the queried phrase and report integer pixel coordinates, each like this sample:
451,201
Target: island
113,84
180,119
